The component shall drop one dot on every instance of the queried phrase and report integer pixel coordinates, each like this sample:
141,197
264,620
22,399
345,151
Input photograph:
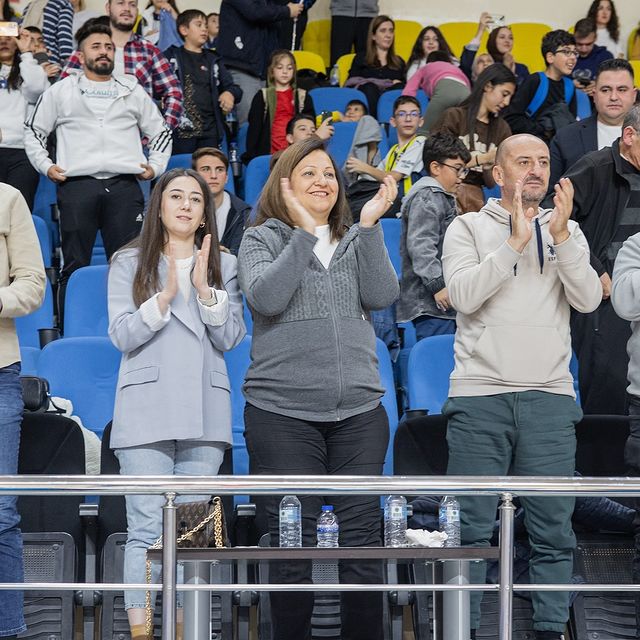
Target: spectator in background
150,23
7,12
174,308
248,36
511,406
379,69
303,126
98,121
614,95
22,81
135,56
428,40
590,56
208,87
603,13
55,19
480,63
213,27
443,83
350,20
313,389
80,15
22,287
285,27
231,213
546,101
478,124
41,55
427,210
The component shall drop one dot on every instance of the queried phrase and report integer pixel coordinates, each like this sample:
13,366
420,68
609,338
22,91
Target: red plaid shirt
147,63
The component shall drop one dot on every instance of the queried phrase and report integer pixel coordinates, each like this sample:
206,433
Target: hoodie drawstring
538,243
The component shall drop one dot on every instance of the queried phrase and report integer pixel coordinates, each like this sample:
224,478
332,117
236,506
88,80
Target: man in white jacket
513,270
98,120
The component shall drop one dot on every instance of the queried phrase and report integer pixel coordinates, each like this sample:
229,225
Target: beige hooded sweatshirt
513,309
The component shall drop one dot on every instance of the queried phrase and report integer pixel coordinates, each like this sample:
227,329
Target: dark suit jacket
570,144
236,222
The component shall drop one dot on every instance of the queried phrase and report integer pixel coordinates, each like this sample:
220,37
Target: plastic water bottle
395,521
449,518
290,522
334,76
232,122
327,528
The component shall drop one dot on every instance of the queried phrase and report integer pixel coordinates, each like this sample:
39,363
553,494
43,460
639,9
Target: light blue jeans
11,566
144,513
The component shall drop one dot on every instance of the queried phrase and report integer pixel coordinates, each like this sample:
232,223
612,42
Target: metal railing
505,487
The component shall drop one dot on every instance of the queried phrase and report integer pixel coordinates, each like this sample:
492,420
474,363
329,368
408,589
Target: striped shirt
57,29
154,73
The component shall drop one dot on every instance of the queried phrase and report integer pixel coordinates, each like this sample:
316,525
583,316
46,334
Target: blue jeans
144,513
11,565
427,326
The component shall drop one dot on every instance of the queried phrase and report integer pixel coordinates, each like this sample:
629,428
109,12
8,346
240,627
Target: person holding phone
590,56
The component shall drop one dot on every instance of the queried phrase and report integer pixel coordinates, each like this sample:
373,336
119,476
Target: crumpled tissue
424,538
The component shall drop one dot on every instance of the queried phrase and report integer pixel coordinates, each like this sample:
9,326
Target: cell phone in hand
497,20
9,29
41,57
325,115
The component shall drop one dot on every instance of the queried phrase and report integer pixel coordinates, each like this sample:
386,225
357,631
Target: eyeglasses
407,115
570,53
462,172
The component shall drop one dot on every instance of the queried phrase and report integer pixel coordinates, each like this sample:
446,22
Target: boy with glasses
428,209
546,101
403,162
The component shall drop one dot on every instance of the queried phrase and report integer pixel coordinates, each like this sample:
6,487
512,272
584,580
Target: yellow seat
317,39
344,64
630,41
459,34
406,32
636,71
527,38
308,60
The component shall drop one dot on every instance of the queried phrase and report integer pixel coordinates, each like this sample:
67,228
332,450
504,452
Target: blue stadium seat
583,105
255,177
44,238
493,192
341,141
179,160
392,230
388,400
85,303
85,371
430,365
42,318
242,138
335,98
45,193
385,104
29,357
384,145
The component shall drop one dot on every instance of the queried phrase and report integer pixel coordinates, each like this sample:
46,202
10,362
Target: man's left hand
148,172
226,101
563,201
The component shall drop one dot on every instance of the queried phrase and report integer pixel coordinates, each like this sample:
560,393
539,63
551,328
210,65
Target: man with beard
133,55
98,120
513,271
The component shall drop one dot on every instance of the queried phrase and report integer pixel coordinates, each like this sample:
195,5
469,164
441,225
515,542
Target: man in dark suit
614,95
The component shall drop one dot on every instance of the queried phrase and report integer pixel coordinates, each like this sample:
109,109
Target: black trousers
17,171
281,445
285,31
114,206
347,32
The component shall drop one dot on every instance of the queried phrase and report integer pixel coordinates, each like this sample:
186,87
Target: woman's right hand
484,23
166,296
298,214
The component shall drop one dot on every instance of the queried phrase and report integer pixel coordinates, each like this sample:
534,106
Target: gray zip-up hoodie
355,8
313,354
427,211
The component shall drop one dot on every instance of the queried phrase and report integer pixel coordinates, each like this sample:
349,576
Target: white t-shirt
607,134
408,161
222,213
325,247
605,40
99,95
118,62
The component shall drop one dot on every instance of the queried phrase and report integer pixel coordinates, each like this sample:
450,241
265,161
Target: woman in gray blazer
174,308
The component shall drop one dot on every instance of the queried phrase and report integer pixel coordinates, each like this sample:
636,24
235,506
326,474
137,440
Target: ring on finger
389,201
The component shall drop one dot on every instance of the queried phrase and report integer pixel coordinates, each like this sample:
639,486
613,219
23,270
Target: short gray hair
632,119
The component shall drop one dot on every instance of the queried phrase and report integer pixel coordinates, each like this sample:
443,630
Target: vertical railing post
169,567
507,511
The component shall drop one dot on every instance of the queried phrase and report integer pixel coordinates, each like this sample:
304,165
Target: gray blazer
173,383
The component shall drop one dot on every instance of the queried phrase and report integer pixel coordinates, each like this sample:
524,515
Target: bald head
515,144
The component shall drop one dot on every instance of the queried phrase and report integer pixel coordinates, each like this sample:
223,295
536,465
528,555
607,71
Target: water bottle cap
327,507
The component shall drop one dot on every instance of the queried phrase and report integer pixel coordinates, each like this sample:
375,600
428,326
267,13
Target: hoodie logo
552,253
238,42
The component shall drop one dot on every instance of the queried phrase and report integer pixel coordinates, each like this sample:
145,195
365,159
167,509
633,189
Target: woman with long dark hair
478,124
22,81
428,40
313,389
380,68
174,308
603,13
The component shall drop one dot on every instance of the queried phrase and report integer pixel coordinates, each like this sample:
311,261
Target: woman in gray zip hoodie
313,390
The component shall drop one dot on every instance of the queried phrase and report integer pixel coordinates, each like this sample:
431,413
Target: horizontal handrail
319,485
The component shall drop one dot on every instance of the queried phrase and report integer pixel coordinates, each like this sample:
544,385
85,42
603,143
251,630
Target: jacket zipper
337,339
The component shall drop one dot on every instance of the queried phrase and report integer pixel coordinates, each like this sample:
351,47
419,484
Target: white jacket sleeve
153,126
37,129
625,294
34,78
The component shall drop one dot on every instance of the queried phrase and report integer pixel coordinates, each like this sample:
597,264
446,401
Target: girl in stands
22,80
313,390
428,40
273,107
379,69
603,13
174,308
150,19
478,124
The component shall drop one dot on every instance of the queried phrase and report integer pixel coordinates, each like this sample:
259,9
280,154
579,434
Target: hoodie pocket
519,355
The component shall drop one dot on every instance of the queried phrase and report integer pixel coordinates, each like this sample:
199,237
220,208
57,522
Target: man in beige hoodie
513,271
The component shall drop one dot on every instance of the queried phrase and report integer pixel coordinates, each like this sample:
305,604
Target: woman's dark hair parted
152,239
271,203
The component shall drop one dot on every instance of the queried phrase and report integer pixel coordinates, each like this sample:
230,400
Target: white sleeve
411,159
34,78
216,314
37,128
153,126
151,314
